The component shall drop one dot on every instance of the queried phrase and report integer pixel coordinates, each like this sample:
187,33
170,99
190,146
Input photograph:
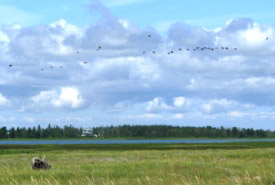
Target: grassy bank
222,163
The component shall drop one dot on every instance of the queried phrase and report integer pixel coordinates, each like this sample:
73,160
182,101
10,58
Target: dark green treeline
165,131
38,132
128,131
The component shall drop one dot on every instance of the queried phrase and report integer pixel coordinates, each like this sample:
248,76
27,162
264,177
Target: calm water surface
61,142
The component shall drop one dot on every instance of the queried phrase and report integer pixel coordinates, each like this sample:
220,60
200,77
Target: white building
87,132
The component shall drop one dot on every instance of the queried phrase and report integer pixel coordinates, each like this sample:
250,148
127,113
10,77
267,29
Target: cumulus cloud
3,100
66,97
60,66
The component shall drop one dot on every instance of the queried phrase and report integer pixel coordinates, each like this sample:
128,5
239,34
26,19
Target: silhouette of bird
154,52
42,69
149,35
144,52
85,62
168,53
222,47
197,47
226,48
171,52
187,49
61,67
10,65
51,67
179,49
235,48
99,47
266,38
77,52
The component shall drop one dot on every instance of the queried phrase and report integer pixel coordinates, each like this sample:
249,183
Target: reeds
142,166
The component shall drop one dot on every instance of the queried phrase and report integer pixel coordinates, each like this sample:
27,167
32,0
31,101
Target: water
61,142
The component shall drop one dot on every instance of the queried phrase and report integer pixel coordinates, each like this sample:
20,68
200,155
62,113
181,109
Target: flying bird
85,62
10,65
77,52
149,35
42,69
187,49
51,67
179,49
99,47
144,52
154,52
266,38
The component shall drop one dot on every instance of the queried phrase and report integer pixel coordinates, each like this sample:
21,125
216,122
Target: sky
91,63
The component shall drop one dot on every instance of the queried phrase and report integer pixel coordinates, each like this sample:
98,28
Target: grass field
226,163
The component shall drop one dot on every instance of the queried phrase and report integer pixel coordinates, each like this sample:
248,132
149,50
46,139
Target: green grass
143,138
221,163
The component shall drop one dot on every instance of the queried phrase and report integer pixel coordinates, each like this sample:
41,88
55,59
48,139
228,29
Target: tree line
128,131
39,133
165,131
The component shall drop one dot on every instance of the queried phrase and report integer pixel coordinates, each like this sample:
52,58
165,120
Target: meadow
221,163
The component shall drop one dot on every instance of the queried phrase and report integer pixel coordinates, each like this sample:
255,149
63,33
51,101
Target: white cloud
3,100
181,101
157,105
217,105
28,119
178,116
120,78
67,97
236,114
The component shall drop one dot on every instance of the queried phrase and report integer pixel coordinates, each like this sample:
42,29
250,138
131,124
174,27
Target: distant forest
128,131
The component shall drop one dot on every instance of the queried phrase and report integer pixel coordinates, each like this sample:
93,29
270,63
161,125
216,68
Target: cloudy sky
53,71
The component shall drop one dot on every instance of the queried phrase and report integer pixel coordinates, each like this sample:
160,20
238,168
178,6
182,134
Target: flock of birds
169,52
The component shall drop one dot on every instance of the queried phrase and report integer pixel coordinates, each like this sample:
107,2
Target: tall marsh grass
153,166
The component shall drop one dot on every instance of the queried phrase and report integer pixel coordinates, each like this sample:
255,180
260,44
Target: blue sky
59,76
143,13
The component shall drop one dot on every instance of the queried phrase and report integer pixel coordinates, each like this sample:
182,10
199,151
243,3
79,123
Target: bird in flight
51,67
179,49
154,52
85,62
10,65
149,35
144,52
266,38
77,52
42,69
99,47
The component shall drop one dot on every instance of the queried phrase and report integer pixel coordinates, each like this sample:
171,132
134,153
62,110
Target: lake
62,142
